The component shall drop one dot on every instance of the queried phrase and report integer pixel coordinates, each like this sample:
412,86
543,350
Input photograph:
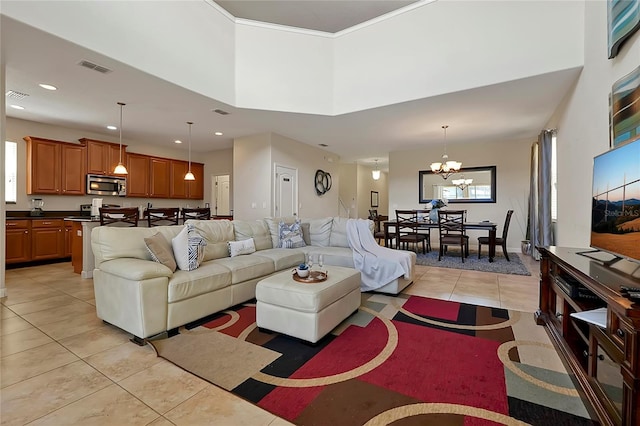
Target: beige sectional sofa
145,298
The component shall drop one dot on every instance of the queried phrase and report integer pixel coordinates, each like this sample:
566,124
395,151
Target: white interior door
221,195
286,192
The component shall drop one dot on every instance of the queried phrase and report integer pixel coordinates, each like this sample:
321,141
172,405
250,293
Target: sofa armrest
135,269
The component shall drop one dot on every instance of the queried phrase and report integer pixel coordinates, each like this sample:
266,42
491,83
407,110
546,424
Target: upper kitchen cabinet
54,167
138,177
178,185
159,177
103,157
195,189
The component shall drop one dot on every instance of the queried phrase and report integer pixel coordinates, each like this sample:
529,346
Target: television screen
615,216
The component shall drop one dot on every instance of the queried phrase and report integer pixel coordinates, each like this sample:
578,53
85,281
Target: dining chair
199,213
500,241
162,216
407,230
452,232
122,216
423,216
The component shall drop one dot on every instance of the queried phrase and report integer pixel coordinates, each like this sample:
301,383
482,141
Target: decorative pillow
161,251
188,248
290,235
237,248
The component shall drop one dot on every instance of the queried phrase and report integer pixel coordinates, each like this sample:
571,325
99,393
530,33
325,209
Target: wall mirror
481,189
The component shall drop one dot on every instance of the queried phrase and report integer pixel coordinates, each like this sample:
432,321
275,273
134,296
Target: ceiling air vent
221,112
95,67
12,94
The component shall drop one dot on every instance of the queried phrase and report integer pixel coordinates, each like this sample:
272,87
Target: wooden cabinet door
43,166
73,169
68,238
47,239
113,157
196,187
160,173
97,155
138,177
178,184
17,241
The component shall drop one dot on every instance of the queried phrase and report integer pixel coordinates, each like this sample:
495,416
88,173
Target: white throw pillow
188,248
236,248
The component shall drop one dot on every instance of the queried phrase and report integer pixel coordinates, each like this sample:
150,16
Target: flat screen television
615,215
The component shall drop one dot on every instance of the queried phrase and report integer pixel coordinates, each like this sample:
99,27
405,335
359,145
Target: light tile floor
61,365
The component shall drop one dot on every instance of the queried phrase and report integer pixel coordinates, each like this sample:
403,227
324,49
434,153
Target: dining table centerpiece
436,204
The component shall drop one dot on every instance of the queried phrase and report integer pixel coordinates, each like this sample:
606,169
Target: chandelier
375,173
447,167
462,183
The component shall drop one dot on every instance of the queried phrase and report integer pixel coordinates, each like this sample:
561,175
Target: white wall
252,177
366,184
17,129
583,125
511,159
217,163
308,159
348,188
441,47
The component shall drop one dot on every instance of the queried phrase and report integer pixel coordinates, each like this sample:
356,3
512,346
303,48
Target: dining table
490,227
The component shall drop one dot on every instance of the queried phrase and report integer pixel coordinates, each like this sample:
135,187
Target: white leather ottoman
307,311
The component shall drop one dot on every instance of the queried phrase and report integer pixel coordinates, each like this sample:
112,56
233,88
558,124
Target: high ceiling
158,110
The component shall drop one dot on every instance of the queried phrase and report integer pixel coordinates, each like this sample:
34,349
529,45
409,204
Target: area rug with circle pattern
405,360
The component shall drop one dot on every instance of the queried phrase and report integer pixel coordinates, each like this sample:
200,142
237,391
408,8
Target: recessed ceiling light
16,106
48,86
112,128
178,141
218,133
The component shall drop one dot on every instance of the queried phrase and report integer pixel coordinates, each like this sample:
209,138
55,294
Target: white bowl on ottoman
307,311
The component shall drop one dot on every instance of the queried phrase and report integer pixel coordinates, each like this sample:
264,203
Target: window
10,172
554,179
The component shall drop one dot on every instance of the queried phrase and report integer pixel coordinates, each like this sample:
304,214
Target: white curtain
540,223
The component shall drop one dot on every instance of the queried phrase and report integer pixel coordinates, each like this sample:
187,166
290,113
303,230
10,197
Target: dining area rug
402,360
500,264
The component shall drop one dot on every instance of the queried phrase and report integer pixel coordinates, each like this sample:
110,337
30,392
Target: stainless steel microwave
106,185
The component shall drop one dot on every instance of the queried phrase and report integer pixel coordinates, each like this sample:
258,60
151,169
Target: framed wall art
374,199
625,109
623,19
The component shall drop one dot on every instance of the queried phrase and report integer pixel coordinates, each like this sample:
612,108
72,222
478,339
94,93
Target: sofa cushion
209,277
237,248
255,229
283,258
319,231
112,242
244,268
336,256
188,248
161,251
216,233
338,235
290,235
273,224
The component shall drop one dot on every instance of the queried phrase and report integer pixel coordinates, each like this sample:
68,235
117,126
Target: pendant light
189,175
120,168
375,173
447,167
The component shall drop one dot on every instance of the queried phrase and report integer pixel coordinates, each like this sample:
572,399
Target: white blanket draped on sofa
377,265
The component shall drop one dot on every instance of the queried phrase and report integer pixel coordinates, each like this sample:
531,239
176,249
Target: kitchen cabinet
47,239
195,189
138,177
54,167
18,241
178,184
103,157
159,177
68,241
